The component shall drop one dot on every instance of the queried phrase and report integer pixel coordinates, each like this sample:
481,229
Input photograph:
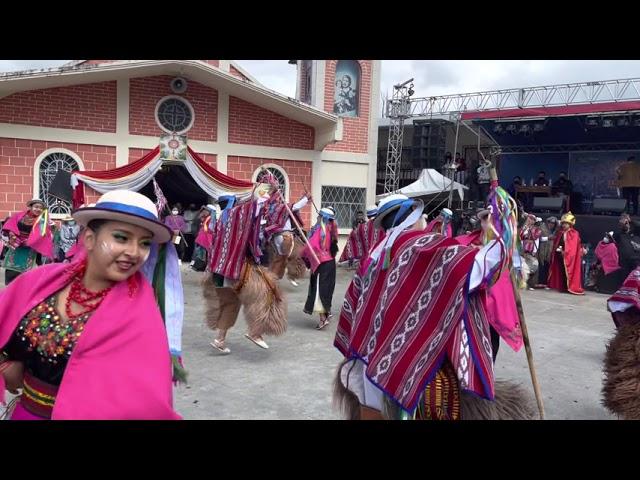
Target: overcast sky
435,77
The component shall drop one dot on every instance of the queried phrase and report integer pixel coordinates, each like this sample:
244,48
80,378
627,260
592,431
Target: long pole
525,331
527,347
300,231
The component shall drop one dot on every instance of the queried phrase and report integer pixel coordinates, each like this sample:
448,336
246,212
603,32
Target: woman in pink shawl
30,239
323,239
86,340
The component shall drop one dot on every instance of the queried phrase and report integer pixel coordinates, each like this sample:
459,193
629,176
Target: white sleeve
486,259
618,306
300,203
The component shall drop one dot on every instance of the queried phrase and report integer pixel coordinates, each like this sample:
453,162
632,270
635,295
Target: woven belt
38,397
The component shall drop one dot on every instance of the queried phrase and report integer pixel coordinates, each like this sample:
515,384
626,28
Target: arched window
281,177
51,163
347,83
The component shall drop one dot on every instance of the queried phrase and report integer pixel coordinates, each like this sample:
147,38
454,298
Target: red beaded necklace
84,297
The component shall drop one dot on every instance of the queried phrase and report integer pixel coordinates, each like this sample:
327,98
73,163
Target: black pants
543,272
483,191
630,194
190,245
327,274
495,342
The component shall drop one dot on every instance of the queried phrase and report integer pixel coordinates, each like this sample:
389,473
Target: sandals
323,323
218,345
261,343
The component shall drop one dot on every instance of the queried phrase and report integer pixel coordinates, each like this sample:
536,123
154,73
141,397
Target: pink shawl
500,302
120,368
41,244
607,254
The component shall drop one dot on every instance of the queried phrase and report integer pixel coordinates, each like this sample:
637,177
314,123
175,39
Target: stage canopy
136,175
430,182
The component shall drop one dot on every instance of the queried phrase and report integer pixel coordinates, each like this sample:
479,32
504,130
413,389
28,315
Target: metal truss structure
401,106
608,91
397,111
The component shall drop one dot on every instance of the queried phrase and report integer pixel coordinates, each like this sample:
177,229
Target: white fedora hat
35,200
391,204
128,207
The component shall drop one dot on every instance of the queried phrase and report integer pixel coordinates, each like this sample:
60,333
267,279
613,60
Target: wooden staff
302,234
312,202
525,331
527,347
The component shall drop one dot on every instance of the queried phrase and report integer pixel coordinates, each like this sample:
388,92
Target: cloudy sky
435,77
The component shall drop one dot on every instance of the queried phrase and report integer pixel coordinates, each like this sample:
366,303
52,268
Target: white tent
430,182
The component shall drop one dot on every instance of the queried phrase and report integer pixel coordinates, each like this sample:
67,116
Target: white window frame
36,171
287,183
187,102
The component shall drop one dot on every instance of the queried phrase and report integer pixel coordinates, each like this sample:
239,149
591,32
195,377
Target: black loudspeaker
609,205
61,186
547,203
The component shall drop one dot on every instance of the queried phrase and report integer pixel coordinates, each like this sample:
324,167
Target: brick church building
104,114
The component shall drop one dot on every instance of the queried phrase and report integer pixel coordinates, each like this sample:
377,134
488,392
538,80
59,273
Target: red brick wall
299,173
17,159
82,107
253,125
146,92
355,137
236,73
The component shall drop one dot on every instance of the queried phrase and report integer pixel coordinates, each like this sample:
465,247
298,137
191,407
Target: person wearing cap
442,223
362,239
67,237
409,352
323,242
86,340
530,239
565,271
30,239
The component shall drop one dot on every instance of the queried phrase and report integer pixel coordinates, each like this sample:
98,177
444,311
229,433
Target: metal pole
453,171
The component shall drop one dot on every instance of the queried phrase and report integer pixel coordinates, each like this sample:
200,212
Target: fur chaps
621,390
264,307
511,403
258,293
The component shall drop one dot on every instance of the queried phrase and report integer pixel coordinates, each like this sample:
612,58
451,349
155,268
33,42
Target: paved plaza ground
293,379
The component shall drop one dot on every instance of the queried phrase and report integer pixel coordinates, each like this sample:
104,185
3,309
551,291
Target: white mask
174,212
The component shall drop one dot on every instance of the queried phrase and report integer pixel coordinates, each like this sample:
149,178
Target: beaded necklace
45,332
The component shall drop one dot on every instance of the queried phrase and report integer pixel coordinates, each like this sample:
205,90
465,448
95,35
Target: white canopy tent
430,182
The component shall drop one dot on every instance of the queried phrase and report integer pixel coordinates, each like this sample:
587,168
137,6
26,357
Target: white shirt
299,205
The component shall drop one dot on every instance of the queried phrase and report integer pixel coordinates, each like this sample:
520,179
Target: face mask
71,222
605,239
174,212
